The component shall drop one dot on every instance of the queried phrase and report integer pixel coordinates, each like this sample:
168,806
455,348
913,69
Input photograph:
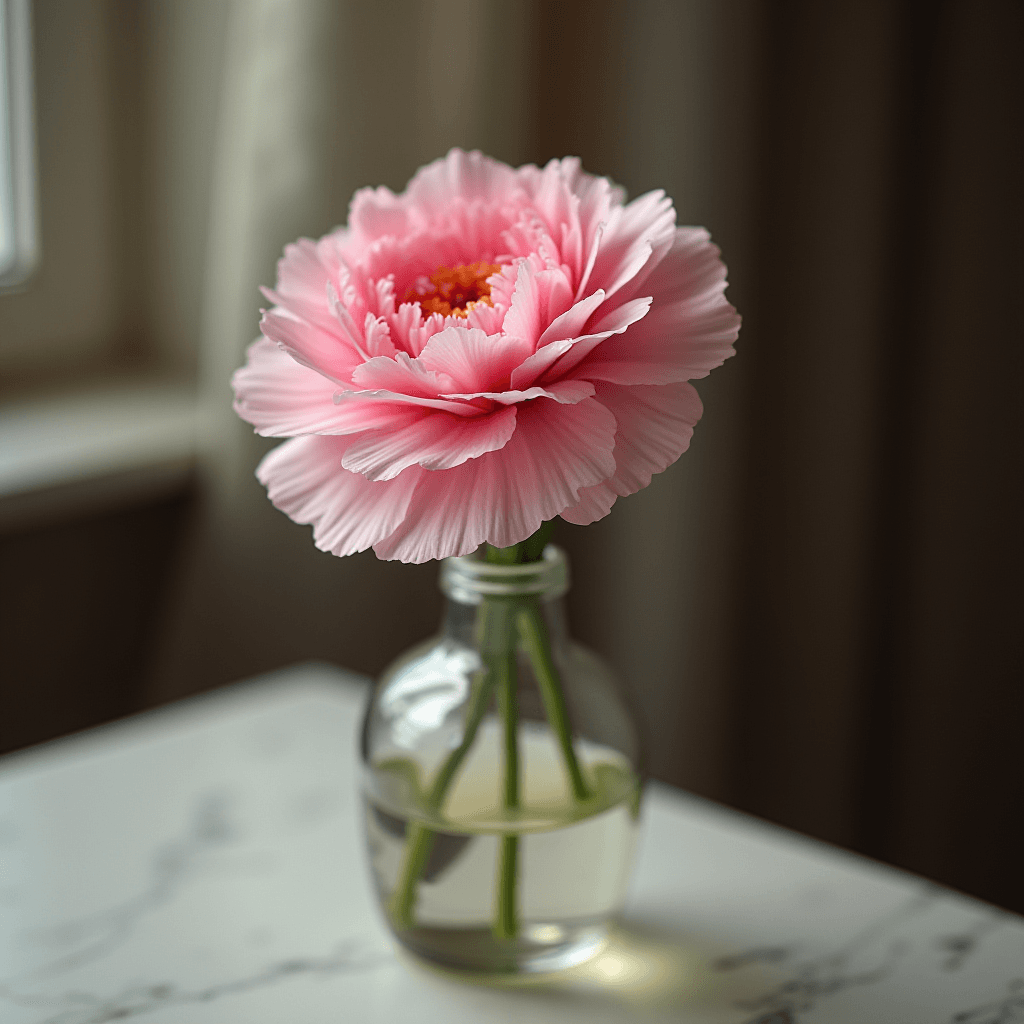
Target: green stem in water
496,638
534,633
419,837
506,920
419,841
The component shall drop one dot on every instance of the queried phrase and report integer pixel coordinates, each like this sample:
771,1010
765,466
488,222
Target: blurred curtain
878,689
316,99
818,607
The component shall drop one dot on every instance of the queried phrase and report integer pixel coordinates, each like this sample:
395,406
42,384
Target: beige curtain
316,99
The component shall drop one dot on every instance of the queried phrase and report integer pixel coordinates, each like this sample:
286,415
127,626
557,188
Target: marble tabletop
201,864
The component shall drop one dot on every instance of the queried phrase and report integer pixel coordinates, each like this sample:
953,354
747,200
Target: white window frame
70,452
19,215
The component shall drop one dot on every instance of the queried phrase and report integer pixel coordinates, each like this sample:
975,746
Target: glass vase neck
474,587
471,580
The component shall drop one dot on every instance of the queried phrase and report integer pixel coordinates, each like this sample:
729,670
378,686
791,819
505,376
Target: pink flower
490,349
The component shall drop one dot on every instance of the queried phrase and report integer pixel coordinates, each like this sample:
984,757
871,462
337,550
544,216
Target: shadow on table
645,972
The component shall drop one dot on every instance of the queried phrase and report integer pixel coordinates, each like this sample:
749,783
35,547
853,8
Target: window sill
89,451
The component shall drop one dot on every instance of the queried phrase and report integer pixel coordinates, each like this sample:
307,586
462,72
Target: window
18,217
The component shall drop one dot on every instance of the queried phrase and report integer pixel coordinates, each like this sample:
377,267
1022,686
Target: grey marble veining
203,864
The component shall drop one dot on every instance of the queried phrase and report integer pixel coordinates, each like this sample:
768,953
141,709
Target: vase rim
468,579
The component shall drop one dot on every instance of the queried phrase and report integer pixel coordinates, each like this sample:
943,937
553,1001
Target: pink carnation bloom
490,349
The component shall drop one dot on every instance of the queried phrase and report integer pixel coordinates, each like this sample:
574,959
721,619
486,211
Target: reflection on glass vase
500,779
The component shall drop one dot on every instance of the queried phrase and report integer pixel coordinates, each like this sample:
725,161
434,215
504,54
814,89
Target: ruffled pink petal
396,401
377,212
302,279
654,427
472,359
486,318
572,322
345,326
582,183
312,346
560,358
553,199
377,337
281,398
630,236
567,392
594,504
480,226
460,176
418,337
305,480
528,238
541,296
598,196
575,352
503,497
381,298
616,320
434,440
413,256
533,367
347,297
402,375
503,284
337,251
574,205
406,320
690,328
614,323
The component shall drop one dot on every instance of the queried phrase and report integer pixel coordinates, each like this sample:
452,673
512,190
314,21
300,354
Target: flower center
453,291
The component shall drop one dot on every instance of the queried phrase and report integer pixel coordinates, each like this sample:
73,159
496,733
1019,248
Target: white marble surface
202,865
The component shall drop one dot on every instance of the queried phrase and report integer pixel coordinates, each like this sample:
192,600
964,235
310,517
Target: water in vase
573,857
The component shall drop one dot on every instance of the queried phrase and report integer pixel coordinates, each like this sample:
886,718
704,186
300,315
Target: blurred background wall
818,609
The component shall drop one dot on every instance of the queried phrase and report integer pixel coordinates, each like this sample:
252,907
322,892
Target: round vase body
500,780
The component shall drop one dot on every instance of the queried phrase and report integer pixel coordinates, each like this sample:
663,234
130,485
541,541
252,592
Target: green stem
419,837
496,642
419,841
453,762
506,923
534,633
508,708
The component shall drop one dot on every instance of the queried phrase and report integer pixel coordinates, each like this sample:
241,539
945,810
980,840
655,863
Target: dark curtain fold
882,694
872,655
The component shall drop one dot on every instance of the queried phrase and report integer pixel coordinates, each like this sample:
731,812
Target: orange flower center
453,291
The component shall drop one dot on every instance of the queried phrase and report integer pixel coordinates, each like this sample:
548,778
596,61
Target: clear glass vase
501,779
